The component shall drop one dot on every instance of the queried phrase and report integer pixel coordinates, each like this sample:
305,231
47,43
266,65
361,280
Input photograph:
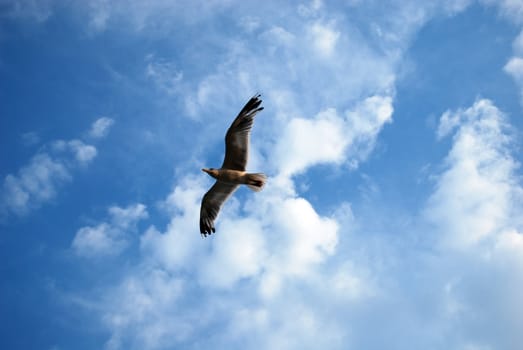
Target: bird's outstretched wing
211,204
237,137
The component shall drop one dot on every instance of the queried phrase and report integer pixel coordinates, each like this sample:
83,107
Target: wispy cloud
83,153
30,138
100,11
101,127
39,180
518,44
163,74
46,172
512,9
32,9
514,66
34,184
109,238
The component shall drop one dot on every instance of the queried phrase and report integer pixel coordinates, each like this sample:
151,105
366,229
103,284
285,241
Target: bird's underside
232,172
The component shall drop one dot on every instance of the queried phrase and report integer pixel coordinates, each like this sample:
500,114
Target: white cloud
518,44
512,9
300,240
98,241
474,209
324,38
109,238
329,138
514,67
279,35
144,307
310,10
46,172
239,254
292,221
34,184
364,123
125,218
84,154
475,212
306,142
101,127
181,241
351,284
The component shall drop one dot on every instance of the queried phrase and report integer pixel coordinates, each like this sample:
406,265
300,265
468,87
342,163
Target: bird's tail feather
256,181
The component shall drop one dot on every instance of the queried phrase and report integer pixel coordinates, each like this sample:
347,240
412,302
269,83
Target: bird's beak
205,170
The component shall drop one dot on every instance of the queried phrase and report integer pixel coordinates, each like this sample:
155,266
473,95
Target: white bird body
255,181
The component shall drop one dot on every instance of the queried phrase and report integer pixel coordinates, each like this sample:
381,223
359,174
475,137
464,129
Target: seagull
232,173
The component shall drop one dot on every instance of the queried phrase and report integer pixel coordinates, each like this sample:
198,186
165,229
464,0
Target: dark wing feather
211,204
237,138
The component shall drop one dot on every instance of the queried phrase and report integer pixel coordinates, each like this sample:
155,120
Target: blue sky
391,135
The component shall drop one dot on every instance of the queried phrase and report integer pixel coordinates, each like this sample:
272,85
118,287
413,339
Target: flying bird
232,172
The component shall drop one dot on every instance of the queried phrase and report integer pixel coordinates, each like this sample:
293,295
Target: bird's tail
256,181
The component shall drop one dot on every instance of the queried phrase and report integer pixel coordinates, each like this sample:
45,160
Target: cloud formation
514,67
47,171
34,184
101,127
329,138
109,238
474,209
280,239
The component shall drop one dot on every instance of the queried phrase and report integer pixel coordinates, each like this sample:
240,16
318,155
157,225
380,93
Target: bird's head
211,171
